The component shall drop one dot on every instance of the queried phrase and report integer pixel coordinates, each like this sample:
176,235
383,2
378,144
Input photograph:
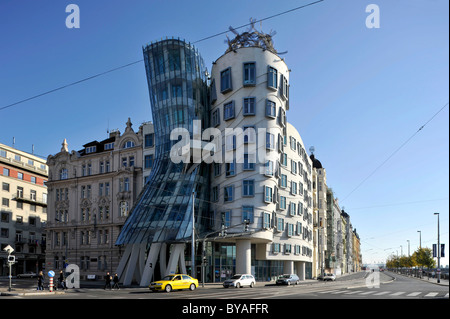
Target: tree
423,257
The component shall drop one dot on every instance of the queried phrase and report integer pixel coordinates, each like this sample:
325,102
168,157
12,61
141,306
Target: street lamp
420,238
408,247
438,253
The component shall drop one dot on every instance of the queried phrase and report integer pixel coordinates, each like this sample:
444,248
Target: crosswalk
386,293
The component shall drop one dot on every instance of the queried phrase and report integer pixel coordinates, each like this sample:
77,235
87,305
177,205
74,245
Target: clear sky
357,94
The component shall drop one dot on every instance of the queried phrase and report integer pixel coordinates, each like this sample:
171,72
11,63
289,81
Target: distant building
148,132
319,178
333,256
90,193
23,209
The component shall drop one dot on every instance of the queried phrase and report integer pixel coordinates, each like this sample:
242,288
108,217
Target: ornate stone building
90,193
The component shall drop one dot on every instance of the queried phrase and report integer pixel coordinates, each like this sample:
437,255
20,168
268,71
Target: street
353,286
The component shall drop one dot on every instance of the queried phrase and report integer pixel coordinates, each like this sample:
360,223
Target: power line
138,61
398,149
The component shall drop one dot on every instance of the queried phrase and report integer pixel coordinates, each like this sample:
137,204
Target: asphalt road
355,286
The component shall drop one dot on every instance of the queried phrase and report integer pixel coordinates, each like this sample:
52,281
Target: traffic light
247,222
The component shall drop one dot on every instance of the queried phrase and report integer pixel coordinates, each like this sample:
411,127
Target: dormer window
91,149
128,144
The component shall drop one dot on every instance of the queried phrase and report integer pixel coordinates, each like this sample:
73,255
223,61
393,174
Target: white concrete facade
275,192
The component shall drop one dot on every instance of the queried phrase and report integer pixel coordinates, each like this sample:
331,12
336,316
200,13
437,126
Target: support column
301,270
288,267
152,258
243,257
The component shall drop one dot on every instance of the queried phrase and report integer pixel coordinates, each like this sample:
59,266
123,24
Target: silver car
288,280
29,274
239,281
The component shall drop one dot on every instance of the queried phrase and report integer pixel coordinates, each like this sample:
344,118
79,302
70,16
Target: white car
239,281
329,277
28,274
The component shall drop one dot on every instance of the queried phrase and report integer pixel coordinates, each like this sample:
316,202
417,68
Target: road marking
339,292
328,291
382,293
353,292
368,292
414,294
398,293
432,294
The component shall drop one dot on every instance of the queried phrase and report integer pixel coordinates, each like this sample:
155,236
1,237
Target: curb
430,282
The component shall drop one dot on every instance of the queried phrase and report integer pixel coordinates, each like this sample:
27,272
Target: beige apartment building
23,209
90,193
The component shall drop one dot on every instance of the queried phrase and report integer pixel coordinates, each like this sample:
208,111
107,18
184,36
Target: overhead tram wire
138,61
398,149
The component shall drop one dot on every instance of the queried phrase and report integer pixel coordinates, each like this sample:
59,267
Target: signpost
51,274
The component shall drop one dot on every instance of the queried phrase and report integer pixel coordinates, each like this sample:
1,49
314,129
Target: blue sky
357,94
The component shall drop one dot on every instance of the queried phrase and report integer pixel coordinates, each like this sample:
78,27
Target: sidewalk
443,282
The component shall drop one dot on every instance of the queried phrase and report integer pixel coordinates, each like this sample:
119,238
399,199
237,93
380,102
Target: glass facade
177,82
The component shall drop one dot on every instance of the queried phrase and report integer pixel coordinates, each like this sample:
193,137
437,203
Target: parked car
288,280
239,281
327,277
28,274
173,282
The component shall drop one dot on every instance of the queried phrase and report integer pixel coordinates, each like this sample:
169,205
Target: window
225,81
64,174
272,78
230,142
215,193
5,202
249,162
248,187
228,111
270,141
268,194
91,149
282,117
230,169
271,109
5,187
249,134
217,169
109,146
290,229
213,92
226,218
149,140
20,175
148,161
276,248
300,208
131,160
269,168
287,248
280,224
284,159
216,118
266,220
128,144
282,202
123,208
299,228
292,209
293,167
174,59
247,213
33,195
2,153
249,73
249,106
293,188
228,193
177,91
283,181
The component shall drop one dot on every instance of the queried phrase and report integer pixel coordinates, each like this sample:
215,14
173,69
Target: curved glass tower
177,82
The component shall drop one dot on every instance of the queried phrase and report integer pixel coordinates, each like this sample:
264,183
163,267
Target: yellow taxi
172,282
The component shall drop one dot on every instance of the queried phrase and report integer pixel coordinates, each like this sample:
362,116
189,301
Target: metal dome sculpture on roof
251,38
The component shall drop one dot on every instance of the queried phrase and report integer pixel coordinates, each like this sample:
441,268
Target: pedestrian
116,282
61,280
108,279
40,281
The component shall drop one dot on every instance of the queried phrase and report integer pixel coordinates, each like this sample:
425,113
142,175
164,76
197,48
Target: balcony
29,200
